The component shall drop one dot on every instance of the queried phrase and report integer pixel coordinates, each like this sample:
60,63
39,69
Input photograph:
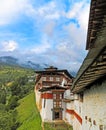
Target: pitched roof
96,21
56,87
54,72
94,65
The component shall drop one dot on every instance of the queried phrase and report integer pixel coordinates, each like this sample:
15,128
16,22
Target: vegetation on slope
15,83
28,114
17,105
9,74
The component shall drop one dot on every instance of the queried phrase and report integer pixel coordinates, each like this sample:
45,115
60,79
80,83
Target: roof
56,87
94,65
96,21
55,72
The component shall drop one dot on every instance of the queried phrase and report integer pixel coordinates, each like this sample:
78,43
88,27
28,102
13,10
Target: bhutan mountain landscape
17,102
18,109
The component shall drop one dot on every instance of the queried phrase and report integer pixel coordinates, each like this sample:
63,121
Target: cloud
47,11
76,35
80,12
10,10
9,46
49,28
70,50
74,10
43,47
57,37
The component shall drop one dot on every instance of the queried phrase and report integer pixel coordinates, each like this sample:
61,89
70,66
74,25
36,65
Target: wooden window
57,100
57,103
51,78
54,104
44,78
85,117
58,96
89,119
81,97
94,122
54,96
57,79
44,102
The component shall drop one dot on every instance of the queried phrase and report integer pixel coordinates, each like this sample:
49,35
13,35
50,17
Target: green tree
2,96
6,120
15,89
13,102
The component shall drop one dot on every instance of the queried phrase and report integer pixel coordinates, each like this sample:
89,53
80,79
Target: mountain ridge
12,61
9,60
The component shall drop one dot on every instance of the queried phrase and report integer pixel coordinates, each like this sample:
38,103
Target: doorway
57,115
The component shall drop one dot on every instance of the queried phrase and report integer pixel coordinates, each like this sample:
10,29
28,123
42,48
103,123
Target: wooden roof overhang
53,88
96,21
91,73
55,72
94,65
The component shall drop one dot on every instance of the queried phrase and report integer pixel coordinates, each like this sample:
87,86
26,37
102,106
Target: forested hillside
15,83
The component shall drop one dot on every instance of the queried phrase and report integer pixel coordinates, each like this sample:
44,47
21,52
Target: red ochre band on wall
72,112
47,95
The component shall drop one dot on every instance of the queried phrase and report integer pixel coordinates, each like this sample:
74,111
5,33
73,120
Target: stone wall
94,107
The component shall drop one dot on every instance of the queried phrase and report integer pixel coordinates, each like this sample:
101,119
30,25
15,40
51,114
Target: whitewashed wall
38,100
78,109
46,113
94,107
64,110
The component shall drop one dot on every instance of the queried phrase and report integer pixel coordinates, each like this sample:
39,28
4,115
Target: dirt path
56,126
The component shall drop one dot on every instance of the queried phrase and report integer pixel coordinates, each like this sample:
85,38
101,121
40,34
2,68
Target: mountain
9,60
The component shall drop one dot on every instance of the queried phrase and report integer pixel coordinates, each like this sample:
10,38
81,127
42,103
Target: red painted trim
47,95
72,112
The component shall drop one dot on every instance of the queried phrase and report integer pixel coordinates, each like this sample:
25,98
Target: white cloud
74,10
48,11
83,16
13,10
10,10
80,12
9,46
77,36
49,28
39,49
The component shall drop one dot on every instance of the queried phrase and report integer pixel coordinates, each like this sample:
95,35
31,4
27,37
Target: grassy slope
28,114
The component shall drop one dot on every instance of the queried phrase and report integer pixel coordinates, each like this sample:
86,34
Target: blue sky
45,31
